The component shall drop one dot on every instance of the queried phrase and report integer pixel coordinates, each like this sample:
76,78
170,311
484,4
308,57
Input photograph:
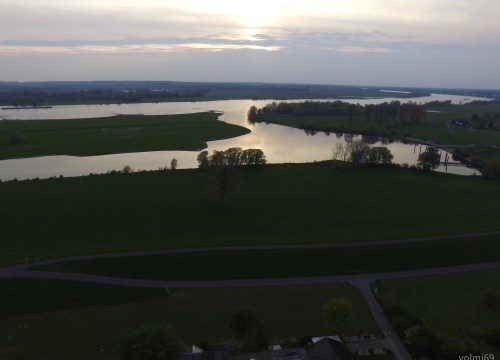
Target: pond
280,144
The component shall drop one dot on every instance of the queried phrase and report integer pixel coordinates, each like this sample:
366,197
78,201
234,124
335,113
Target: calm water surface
280,144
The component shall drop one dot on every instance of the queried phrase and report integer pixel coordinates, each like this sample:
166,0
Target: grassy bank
198,315
450,305
277,204
292,263
117,134
433,128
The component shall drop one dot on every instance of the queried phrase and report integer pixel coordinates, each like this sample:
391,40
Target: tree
203,161
340,152
127,169
254,114
337,314
358,153
253,157
261,342
429,160
173,164
222,183
492,168
233,156
243,321
150,342
380,155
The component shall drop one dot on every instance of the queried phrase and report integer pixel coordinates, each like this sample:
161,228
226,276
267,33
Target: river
280,144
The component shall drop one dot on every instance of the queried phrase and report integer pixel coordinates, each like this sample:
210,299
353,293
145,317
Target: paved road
362,281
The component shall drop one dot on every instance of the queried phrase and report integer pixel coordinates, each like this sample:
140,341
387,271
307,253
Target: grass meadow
92,332
450,304
292,263
117,134
276,204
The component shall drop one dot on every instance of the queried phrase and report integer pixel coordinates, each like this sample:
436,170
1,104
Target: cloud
285,39
154,45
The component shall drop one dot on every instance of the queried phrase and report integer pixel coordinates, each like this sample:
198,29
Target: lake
280,144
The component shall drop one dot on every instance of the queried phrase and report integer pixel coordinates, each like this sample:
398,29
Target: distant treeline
40,97
392,112
75,92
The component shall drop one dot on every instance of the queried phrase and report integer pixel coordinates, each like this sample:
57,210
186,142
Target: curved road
361,281
253,247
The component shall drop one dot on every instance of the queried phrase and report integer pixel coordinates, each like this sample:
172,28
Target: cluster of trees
151,342
487,121
235,156
421,340
315,108
393,112
220,169
360,153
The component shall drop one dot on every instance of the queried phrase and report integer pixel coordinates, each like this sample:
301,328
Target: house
211,352
289,354
329,349
462,122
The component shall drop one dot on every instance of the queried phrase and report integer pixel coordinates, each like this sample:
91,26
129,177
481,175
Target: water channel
280,144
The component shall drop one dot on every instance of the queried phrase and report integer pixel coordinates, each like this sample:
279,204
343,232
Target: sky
424,43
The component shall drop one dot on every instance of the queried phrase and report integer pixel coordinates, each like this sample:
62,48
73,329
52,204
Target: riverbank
112,135
434,130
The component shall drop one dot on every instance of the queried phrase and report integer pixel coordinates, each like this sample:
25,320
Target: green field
292,263
117,134
24,296
433,128
450,305
92,332
277,204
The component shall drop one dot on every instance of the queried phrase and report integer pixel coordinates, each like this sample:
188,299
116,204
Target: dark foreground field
82,330
276,204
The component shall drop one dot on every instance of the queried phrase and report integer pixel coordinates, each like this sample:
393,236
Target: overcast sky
435,43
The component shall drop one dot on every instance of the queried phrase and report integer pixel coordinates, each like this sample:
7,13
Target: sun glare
249,14
250,34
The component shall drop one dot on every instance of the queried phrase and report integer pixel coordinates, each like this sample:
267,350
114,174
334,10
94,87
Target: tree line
221,173
393,112
359,153
234,156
